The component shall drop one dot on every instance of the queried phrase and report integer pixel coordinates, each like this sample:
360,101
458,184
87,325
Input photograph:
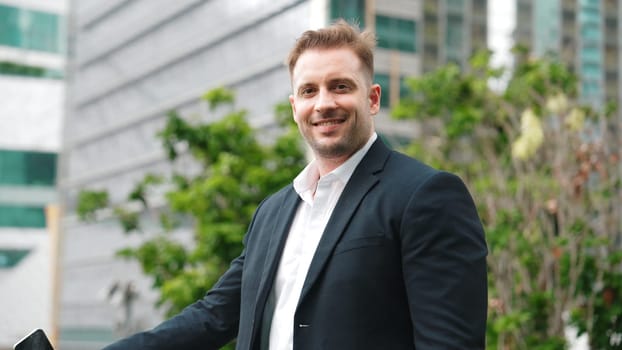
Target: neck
326,165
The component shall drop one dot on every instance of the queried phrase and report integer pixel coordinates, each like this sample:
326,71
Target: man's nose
325,101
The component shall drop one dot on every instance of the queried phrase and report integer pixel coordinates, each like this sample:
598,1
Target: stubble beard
330,151
343,147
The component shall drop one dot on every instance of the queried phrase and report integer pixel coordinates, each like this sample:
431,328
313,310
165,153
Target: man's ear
374,99
293,104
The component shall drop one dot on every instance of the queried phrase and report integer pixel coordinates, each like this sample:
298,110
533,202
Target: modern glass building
32,56
130,62
26,175
453,31
416,37
585,34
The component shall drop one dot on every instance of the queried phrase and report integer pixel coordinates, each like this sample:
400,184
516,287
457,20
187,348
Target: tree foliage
89,202
545,172
225,173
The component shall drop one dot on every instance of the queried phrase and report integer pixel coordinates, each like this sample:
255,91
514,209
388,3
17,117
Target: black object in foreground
36,340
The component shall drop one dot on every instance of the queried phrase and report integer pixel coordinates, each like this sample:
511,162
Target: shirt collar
306,182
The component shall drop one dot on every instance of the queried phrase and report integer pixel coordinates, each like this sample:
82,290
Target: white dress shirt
319,197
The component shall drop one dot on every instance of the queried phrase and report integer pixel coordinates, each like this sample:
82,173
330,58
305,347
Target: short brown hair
338,35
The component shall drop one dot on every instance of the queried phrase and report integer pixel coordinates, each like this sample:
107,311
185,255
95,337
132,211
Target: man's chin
331,149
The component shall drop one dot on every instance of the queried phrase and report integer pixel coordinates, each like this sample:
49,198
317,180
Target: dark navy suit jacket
401,265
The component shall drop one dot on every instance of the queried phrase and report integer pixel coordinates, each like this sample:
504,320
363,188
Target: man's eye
342,87
307,91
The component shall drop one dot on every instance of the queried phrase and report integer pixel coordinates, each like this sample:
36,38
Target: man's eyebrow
348,81
343,79
305,85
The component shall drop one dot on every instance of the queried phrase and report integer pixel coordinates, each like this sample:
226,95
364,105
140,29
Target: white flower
557,104
531,137
575,119
519,149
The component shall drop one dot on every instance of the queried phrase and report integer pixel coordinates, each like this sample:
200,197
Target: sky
33,118
501,22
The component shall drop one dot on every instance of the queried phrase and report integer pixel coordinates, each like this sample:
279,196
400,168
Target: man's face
333,102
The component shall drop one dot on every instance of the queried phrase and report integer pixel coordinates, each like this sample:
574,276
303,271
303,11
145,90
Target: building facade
584,34
32,58
453,30
132,61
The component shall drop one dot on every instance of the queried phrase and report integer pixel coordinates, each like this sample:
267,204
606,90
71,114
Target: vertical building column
370,15
52,218
394,78
619,16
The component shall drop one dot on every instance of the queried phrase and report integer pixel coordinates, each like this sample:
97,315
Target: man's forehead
330,63
333,54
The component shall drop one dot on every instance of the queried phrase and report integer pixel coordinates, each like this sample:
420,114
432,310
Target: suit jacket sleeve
207,324
444,265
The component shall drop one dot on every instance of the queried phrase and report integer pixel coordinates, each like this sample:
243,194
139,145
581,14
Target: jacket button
304,325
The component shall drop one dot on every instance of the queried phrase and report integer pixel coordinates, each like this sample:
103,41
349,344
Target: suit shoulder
414,172
423,176
276,198
401,162
282,193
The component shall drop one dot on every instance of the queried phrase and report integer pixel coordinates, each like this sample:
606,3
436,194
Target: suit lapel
362,180
283,221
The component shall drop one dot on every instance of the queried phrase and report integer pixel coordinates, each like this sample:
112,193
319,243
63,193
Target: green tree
226,174
545,173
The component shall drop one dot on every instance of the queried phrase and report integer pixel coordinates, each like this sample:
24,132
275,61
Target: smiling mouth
329,122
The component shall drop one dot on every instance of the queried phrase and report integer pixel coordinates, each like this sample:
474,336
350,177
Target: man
367,249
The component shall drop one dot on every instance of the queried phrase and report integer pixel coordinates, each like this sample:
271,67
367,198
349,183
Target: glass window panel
22,216
27,168
455,32
404,89
396,33
591,54
40,168
11,168
11,257
455,5
9,28
352,11
383,31
32,30
385,84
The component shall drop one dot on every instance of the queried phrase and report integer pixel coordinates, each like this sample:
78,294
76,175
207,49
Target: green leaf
89,202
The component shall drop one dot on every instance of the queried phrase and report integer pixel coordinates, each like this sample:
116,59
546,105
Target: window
385,84
22,216
591,54
352,11
396,33
454,36
31,30
11,257
455,6
27,168
384,80
591,70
